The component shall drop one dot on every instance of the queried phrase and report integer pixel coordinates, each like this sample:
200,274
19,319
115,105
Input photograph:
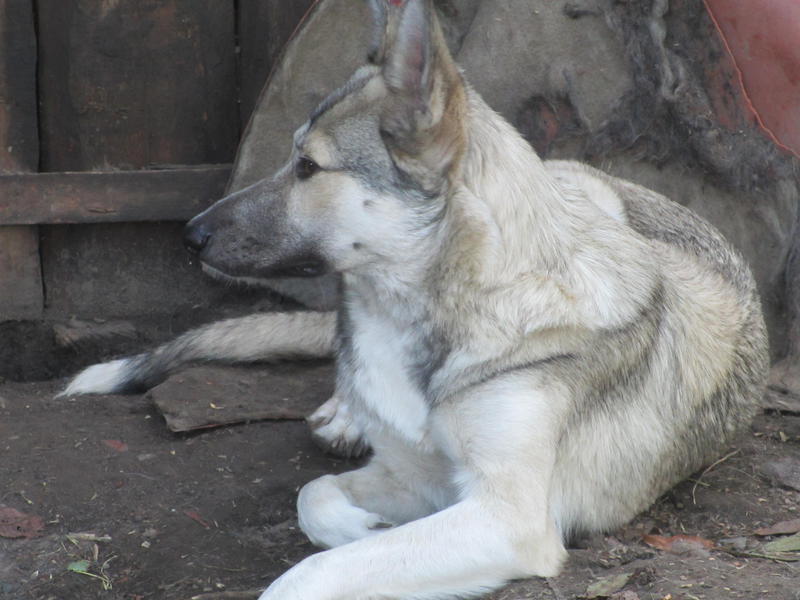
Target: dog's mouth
223,276
301,268
308,268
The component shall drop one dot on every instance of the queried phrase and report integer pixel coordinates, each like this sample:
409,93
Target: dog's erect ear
409,54
380,20
423,119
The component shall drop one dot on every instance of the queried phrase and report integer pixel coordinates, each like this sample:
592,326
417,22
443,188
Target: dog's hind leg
253,338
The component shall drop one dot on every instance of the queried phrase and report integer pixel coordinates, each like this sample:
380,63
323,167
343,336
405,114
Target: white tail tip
104,378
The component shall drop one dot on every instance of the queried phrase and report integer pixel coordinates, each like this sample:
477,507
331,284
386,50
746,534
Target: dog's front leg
502,439
398,485
334,429
465,549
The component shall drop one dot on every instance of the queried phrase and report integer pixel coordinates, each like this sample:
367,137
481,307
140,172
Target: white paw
334,429
329,519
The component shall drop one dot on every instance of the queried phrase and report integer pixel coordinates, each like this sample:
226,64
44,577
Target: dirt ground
172,516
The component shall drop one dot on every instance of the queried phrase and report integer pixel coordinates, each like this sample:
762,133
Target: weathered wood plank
264,28
21,289
134,83
107,197
19,144
21,294
124,85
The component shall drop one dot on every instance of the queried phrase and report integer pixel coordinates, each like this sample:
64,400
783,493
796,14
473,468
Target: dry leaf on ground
626,595
116,445
677,543
604,588
195,516
786,544
782,528
15,524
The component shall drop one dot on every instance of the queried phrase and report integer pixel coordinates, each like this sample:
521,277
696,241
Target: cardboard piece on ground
203,397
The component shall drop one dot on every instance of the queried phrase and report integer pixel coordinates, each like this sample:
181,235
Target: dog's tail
253,338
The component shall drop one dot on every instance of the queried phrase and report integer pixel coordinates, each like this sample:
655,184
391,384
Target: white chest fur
381,376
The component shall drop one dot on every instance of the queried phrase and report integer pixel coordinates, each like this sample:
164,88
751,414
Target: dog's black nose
195,237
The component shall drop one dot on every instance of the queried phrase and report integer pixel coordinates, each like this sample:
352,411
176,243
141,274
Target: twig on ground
707,469
242,595
87,537
788,558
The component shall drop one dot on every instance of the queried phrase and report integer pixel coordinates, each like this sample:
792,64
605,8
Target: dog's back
693,365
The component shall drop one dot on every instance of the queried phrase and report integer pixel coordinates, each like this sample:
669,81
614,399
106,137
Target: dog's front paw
329,519
334,429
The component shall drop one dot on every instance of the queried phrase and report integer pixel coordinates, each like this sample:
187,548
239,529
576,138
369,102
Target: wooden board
126,85
19,144
57,198
20,273
264,28
134,83
203,397
21,295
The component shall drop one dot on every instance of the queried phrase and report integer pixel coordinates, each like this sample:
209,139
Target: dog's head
369,171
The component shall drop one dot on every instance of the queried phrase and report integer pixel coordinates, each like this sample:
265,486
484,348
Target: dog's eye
305,168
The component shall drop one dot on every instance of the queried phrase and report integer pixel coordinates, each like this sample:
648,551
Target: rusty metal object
762,38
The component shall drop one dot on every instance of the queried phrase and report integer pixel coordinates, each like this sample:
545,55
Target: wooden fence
121,111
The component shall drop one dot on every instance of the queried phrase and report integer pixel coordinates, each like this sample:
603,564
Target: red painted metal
763,38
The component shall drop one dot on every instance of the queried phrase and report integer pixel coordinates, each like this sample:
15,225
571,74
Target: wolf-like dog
532,350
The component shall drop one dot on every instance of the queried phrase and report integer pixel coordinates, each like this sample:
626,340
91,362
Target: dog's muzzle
196,237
